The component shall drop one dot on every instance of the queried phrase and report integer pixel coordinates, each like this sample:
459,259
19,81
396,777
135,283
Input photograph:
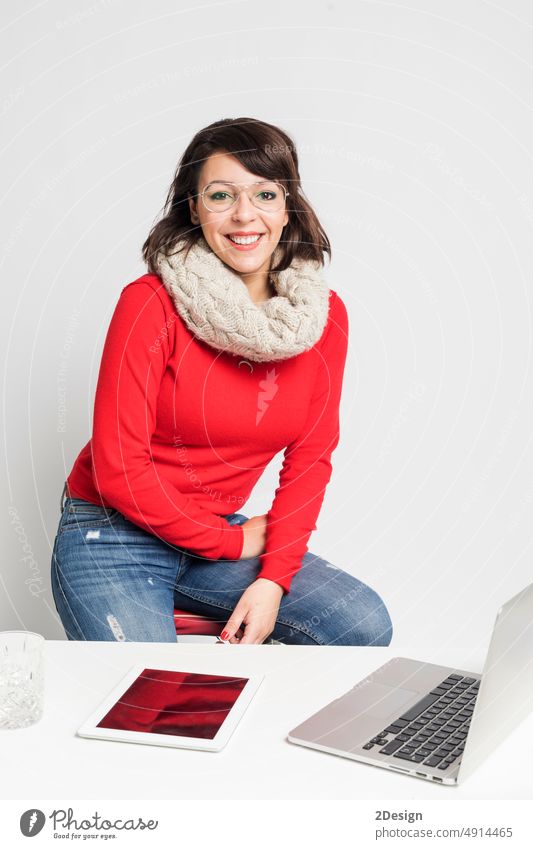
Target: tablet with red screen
165,707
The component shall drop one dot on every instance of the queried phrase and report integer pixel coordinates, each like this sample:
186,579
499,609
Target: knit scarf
214,303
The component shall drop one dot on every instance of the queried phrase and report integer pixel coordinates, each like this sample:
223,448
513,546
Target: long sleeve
125,409
306,468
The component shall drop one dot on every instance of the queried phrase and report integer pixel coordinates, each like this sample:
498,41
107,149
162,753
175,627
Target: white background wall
414,127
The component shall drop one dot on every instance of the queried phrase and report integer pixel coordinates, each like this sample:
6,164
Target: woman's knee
358,617
377,625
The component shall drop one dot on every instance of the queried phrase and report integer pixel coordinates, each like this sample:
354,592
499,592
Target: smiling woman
234,270
246,152
220,196
258,208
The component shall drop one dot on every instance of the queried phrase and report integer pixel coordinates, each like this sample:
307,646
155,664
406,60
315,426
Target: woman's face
242,217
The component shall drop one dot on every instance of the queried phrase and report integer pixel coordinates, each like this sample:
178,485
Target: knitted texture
214,302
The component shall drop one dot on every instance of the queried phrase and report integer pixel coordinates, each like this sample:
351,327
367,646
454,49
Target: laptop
433,722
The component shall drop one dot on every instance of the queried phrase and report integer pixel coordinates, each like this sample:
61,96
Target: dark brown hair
264,150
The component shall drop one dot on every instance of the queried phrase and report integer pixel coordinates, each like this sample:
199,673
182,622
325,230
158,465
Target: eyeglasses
266,195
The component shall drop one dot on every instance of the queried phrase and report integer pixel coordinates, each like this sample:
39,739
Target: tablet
164,707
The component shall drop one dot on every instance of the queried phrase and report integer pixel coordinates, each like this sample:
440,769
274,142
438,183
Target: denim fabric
111,580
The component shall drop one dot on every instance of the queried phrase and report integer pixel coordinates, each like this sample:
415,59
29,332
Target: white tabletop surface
47,760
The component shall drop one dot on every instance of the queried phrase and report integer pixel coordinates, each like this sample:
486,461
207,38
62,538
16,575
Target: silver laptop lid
506,691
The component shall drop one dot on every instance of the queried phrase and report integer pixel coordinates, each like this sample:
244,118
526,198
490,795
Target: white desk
47,760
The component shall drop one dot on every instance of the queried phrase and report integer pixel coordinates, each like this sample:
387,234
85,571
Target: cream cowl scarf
215,304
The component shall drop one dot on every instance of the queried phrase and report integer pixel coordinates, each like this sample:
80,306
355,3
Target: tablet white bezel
89,727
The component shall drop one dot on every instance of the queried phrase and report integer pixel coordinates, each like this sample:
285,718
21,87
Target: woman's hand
254,531
257,609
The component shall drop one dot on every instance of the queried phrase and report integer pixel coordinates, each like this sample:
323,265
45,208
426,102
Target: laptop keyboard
434,730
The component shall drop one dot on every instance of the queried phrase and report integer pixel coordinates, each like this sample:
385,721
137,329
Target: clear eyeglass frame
242,186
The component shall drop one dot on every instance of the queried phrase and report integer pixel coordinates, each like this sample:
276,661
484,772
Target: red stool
192,623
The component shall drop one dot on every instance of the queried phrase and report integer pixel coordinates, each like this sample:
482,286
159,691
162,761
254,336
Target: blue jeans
111,580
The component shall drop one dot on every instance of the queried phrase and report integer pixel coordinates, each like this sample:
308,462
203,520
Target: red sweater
181,433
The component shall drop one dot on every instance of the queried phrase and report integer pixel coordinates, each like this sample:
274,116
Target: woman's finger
233,624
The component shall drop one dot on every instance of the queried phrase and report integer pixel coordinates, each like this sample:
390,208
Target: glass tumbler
21,678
